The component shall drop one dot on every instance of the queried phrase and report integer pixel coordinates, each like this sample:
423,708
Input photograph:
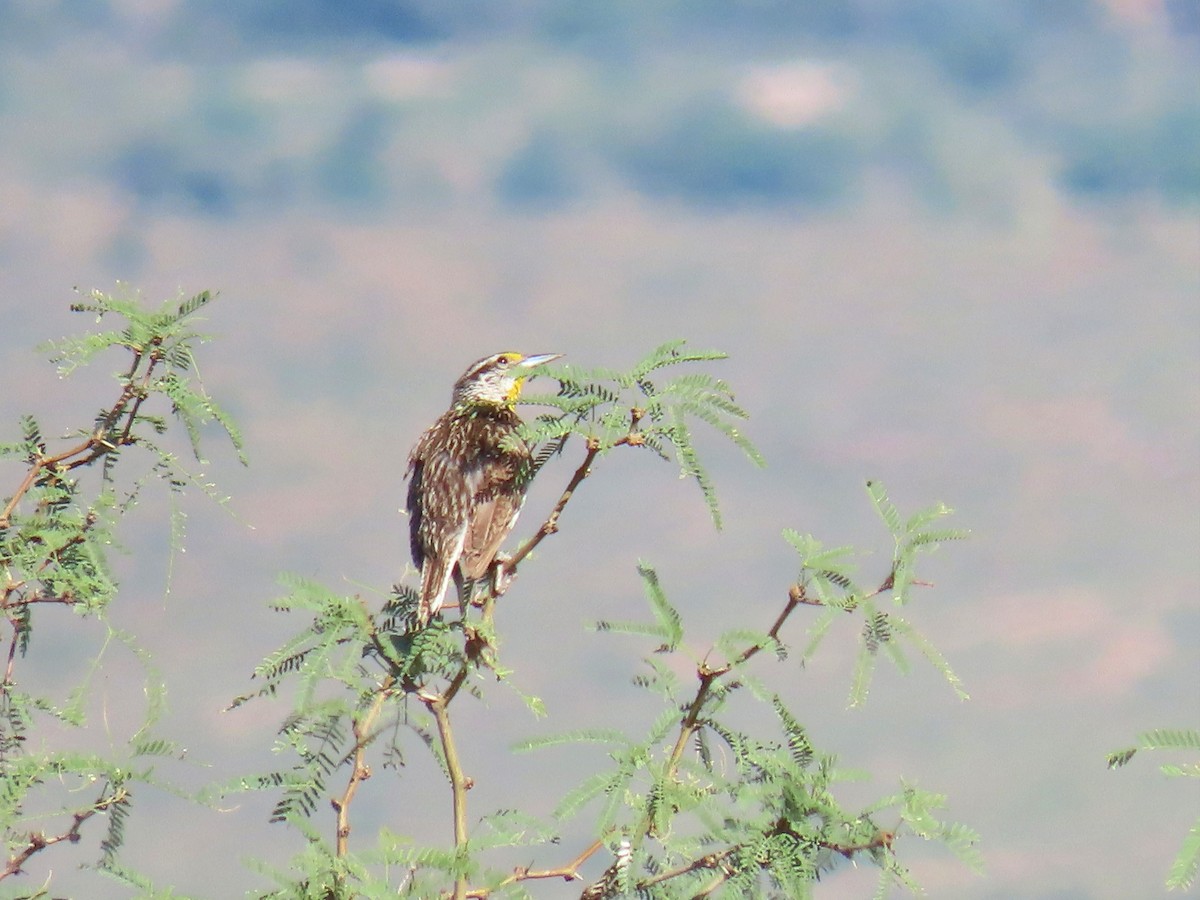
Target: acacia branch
459,782
36,467
364,733
39,841
633,439
568,872
718,860
143,390
550,526
99,443
506,569
438,704
15,622
708,861
708,676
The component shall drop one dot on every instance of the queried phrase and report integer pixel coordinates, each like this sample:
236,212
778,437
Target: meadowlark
468,476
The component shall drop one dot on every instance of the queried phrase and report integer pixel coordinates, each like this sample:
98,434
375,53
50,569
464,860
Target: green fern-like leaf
193,304
146,889
797,738
877,631
669,622
1170,739
1182,874
1187,863
860,680
600,784
963,843
118,814
672,353
610,408
886,509
905,629
579,736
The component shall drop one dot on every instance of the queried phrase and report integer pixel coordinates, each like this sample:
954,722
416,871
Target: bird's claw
502,575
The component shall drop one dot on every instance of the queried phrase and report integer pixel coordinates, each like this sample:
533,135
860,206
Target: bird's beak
538,359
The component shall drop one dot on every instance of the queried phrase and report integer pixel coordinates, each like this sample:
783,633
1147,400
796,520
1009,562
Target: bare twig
550,526
143,390
12,653
568,872
459,782
364,733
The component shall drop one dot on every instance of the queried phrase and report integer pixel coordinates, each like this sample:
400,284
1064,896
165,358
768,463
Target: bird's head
496,380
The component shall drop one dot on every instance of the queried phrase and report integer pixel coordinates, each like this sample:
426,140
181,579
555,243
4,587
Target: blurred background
950,244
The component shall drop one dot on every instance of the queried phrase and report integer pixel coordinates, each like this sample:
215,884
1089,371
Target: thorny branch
633,438
460,783
38,841
364,733
104,439
709,675
690,723
718,860
568,872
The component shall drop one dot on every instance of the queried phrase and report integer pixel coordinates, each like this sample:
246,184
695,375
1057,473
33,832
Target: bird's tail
435,578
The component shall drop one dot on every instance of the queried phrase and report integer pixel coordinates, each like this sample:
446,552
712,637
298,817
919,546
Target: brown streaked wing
439,497
494,517
498,478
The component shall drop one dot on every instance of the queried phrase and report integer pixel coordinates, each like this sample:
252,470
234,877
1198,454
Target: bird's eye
504,361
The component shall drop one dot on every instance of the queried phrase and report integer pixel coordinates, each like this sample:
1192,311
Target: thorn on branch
36,842
568,872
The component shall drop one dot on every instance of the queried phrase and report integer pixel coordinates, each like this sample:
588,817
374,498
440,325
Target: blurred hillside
227,108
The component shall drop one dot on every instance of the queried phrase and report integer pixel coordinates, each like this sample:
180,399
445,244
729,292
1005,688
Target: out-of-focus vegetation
261,107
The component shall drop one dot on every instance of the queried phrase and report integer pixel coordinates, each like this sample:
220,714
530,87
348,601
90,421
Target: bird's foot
502,575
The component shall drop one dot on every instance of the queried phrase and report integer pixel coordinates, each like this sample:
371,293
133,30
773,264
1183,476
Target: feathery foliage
765,823
643,407
1187,862
696,805
693,806
827,576
57,526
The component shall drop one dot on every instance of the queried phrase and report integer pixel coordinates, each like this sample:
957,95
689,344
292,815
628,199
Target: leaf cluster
705,807
648,406
359,681
827,578
1187,862
57,527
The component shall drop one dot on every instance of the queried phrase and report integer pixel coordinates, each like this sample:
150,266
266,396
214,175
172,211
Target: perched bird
469,472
